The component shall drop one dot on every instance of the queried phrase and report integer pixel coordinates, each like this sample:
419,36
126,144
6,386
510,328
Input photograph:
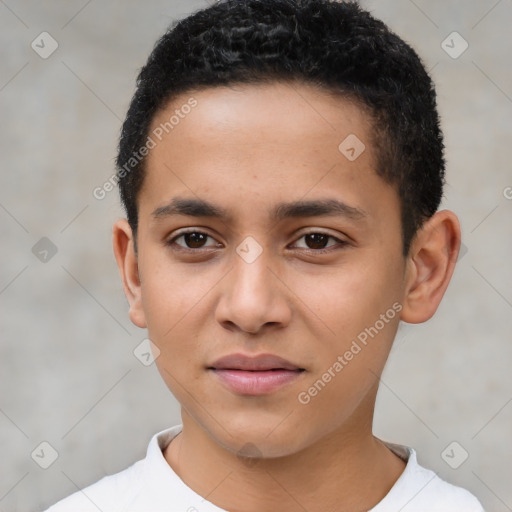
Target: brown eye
318,242
195,240
192,240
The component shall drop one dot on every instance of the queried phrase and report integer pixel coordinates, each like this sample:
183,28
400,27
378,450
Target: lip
255,375
260,362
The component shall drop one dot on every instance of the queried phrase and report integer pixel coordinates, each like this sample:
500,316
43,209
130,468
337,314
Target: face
270,264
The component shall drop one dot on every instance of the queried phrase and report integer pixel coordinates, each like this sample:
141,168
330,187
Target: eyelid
319,231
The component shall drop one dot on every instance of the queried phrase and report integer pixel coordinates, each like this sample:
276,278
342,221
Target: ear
430,266
124,251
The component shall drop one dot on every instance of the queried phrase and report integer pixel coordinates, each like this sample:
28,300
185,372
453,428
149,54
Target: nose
253,298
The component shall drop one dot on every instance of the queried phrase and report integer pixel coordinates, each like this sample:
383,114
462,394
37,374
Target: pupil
317,239
195,240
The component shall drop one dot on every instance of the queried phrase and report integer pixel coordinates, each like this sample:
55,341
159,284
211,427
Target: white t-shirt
151,485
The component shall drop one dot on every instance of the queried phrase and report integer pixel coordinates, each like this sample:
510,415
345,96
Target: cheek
177,304
359,306
348,298
361,312
166,309
171,290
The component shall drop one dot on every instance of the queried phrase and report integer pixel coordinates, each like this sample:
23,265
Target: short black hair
337,46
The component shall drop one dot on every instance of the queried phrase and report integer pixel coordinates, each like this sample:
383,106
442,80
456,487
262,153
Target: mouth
256,375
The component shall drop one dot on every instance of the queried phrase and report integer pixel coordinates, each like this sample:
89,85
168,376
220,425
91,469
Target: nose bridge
251,294
251,275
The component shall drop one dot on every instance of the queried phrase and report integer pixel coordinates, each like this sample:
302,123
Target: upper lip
253,363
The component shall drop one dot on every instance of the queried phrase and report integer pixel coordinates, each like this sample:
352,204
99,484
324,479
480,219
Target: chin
254,436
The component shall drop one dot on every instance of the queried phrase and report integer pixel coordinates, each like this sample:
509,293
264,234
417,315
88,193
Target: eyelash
172,242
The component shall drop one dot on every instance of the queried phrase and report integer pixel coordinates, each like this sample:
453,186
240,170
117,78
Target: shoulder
112,492
421,490
442,496
143,482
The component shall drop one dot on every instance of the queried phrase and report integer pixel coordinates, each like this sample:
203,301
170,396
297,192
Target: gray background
68,374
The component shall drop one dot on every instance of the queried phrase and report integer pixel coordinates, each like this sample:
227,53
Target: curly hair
337,46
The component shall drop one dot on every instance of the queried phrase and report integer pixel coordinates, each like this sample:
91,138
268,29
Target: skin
247,148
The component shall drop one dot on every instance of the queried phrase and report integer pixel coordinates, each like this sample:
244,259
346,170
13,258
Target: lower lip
256,382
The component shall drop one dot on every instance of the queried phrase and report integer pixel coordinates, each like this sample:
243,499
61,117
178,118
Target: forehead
276,113
249,144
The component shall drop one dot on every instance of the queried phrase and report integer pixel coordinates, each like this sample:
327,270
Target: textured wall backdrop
68,375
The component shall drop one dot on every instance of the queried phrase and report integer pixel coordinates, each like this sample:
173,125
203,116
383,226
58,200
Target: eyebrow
200,208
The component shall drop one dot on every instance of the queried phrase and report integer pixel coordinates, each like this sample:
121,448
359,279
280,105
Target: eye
318,242
192,240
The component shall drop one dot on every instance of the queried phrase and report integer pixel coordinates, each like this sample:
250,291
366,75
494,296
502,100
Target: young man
281,166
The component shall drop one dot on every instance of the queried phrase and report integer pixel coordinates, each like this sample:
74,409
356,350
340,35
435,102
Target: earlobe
127,261
430,266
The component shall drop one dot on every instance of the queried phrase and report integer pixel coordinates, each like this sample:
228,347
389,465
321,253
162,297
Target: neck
349,469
